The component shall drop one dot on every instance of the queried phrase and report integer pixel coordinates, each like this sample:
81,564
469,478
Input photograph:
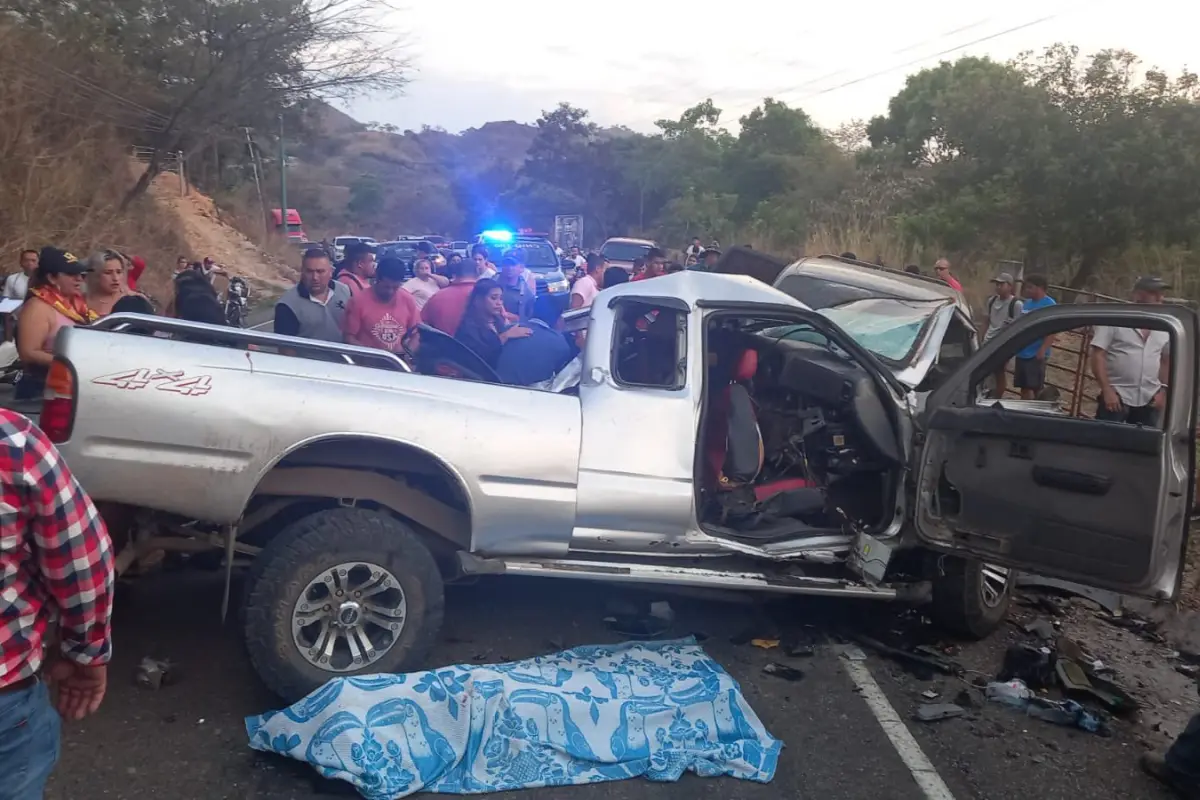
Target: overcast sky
630,62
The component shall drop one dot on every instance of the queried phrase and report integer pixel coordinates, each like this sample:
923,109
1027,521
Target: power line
938,54
905,49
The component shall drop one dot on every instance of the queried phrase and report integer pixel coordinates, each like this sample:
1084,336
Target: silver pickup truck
721,435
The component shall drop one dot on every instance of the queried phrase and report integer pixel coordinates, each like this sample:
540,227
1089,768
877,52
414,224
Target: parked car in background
340,243
621,251
460,247
538,255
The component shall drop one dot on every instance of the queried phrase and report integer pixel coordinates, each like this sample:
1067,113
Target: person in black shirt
483,328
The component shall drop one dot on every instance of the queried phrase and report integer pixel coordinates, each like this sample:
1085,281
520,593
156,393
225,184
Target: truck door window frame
624,306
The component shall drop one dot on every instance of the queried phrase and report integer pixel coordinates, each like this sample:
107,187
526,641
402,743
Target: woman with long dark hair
483,328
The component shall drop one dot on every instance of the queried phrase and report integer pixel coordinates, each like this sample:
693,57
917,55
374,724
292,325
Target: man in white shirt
16,286
586,288
694,250
578,258
422,285
1132,365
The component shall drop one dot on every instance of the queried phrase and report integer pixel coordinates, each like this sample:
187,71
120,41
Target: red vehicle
295,225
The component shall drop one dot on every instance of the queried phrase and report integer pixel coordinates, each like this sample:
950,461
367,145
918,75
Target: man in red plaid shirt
55,567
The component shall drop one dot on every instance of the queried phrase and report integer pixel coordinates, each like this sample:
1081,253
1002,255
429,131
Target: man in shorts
1029,370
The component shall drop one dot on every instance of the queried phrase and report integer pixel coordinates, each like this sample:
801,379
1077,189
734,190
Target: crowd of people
54,290
491,307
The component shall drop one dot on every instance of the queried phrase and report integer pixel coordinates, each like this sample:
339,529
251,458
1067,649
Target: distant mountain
427,180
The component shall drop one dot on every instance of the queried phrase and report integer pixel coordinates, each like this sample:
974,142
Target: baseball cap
1003,277
706,251
1150,283
54,261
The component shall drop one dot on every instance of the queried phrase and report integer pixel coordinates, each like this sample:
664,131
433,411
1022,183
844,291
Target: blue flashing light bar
498,236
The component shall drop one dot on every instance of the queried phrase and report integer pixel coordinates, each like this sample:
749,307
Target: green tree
198,68
1070,159
366,200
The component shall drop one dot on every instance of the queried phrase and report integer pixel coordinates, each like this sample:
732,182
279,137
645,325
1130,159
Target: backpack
1012,306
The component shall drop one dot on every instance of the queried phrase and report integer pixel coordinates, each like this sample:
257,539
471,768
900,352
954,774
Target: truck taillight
58,408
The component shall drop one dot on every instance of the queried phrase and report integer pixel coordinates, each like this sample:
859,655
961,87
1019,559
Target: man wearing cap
518,294
1002,308
709,259
1132,364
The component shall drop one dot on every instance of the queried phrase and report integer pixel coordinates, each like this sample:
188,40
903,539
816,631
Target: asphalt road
187,741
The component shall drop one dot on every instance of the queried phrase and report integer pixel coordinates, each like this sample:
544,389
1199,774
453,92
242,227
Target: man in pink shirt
380,317
942,270
586,288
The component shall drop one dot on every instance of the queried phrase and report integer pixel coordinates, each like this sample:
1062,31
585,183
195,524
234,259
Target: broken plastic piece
153,673
765,644
783,671
933,712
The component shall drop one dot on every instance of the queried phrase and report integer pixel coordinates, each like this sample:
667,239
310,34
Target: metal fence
169,162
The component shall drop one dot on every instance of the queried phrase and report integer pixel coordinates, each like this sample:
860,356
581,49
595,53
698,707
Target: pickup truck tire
293,562
963,602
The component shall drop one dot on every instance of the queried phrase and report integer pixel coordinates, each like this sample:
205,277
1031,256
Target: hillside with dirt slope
207,234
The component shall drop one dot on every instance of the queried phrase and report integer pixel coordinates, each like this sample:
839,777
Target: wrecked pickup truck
706,444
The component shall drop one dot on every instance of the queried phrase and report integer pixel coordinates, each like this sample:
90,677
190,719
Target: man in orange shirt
359,268
380,317
656,264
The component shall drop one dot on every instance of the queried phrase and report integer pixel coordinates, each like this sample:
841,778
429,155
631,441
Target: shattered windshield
888,327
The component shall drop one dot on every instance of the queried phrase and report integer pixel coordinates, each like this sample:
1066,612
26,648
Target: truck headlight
558,287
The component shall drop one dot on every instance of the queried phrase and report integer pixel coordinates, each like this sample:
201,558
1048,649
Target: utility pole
254,166
283,206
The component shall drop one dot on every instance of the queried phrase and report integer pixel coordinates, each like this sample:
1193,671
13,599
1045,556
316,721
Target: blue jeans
29,742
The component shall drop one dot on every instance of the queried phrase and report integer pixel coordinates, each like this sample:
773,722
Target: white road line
910,752
261,325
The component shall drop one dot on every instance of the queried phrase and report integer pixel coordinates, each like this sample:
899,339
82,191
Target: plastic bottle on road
1010,693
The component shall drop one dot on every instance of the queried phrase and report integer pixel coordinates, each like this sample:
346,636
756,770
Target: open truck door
1104,504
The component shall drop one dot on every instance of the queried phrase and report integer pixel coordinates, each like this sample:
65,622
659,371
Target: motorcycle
237,302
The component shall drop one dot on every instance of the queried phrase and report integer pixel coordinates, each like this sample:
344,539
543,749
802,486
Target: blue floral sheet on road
585,715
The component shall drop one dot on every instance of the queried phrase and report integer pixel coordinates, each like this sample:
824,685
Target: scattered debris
930,694
657,622
1032,665
1042,628
934,712
1010,693
783,671
1191,670
153,673
1067,713
926,661
965,699
852,653
1109,601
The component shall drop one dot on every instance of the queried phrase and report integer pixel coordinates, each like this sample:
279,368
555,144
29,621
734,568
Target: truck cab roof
692,287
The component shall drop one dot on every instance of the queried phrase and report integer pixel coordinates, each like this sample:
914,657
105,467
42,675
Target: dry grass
62,166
